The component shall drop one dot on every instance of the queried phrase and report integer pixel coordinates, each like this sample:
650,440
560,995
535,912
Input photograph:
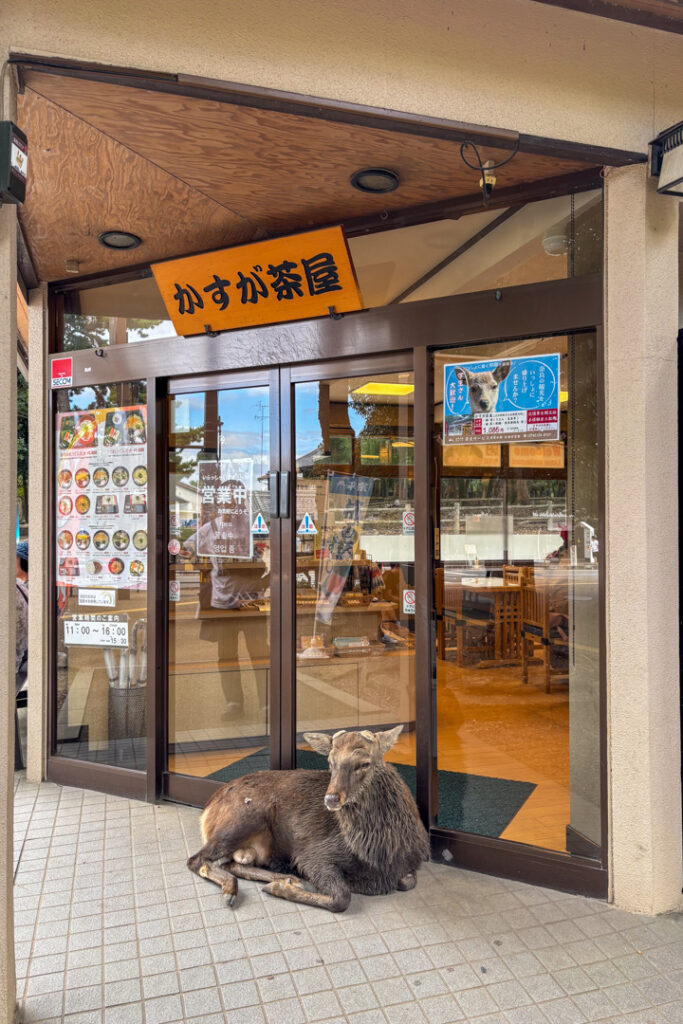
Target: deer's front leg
334,894
222,877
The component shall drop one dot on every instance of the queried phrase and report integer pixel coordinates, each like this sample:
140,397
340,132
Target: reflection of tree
84,331
180,467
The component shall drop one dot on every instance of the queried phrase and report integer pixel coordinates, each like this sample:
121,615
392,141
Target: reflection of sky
164,329
244,415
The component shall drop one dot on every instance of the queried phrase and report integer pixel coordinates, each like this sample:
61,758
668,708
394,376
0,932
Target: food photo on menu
101,498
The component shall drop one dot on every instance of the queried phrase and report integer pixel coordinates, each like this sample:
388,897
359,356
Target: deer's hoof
283,888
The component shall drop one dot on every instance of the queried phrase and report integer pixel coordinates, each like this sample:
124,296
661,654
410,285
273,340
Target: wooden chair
535,632
462,617
518,574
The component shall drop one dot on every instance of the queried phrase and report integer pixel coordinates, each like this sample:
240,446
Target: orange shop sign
290,278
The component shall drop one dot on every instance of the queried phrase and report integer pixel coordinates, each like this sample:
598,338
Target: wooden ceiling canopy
192,173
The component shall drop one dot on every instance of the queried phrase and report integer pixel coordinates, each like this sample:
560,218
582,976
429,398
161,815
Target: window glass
100,554
516,592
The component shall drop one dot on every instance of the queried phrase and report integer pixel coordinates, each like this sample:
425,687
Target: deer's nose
332,801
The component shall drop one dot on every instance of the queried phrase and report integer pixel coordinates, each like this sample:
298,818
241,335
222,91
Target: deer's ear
320,741
386,740
502,370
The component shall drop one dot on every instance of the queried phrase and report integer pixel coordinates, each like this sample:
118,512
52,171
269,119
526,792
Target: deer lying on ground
353,829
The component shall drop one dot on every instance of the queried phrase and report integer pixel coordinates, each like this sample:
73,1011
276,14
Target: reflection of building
575,250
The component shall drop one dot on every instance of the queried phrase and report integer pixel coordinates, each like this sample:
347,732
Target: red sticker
62,372
174,546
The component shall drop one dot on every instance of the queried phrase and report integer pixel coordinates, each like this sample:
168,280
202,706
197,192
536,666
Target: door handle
284,494
273,487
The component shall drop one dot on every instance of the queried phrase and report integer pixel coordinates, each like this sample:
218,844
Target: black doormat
467,803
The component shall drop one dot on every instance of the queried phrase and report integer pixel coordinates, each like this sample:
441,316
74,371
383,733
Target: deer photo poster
504,400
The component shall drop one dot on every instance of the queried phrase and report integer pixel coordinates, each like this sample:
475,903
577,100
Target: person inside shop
21,661
232,585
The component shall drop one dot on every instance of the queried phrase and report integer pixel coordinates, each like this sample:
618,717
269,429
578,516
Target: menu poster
102,498
225,500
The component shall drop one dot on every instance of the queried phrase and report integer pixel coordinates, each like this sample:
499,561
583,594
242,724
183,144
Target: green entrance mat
467,803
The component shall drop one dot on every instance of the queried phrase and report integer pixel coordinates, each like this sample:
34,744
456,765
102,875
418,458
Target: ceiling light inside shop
119,240
376,180
380,387
402,444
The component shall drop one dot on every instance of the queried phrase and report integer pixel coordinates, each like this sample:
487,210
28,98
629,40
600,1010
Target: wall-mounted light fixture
666,160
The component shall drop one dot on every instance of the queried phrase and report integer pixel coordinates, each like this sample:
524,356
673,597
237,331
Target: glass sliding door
517,567
219,580
353,524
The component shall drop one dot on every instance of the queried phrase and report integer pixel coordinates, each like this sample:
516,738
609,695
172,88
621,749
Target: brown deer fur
353,829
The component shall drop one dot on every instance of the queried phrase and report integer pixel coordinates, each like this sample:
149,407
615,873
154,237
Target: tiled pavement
111,928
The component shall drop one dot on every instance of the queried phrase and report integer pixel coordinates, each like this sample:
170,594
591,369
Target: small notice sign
290,278
307,527
408,602
174,590
409,521
95,598
259,526
96,631
61,372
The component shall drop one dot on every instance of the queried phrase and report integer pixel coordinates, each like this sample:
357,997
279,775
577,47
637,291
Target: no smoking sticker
408,602
409,521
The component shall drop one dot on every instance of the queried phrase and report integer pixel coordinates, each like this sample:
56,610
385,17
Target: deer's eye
362,767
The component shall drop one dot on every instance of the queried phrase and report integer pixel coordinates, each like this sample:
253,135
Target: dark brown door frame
341,348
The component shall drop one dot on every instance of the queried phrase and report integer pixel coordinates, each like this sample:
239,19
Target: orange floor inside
488,723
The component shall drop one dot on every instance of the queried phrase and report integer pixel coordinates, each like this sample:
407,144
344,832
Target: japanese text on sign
96,631
502,400
266,282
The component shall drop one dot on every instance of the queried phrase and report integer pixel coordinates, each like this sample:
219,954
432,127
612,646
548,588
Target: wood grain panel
282,171
83,182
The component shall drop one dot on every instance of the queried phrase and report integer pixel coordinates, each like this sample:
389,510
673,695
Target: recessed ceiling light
119,240
376,180
381,387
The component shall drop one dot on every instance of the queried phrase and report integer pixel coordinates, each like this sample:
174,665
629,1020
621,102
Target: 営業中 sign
288,278
502,400
225,498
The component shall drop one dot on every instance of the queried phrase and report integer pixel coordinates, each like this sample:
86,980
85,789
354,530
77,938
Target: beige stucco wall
644,754
508,63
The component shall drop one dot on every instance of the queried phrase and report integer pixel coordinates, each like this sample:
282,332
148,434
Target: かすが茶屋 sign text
290,278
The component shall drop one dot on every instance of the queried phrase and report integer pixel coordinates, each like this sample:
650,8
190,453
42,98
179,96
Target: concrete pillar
40,605
644,752
8,505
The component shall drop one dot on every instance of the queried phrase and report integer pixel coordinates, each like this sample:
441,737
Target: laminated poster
101,498
225,508
502,400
